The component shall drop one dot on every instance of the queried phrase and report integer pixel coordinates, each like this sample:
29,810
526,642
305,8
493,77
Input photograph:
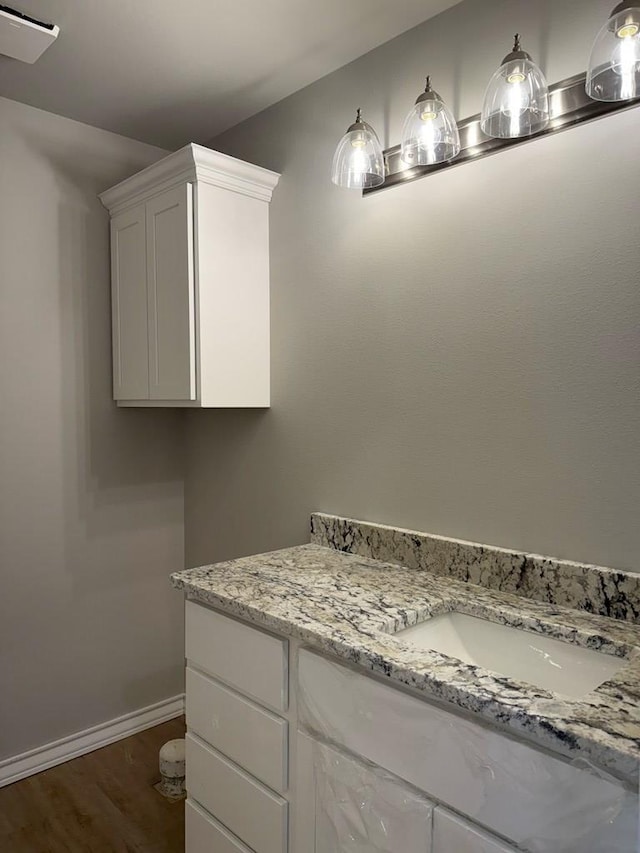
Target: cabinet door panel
474,769
347,806
359,808
129,305
172,364
451,834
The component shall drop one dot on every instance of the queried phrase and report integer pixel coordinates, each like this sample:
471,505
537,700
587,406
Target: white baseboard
43,757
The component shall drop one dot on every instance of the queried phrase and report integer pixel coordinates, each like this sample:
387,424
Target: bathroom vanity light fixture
430,133
518,105
516,102
358,162
614,66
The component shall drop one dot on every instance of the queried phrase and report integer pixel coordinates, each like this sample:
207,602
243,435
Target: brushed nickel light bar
569,105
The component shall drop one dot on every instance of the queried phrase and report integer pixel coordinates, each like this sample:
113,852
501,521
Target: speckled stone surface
599,590
348,606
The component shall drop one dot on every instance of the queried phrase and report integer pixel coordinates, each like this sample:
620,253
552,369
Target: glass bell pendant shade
430,133
614,66
358,162
516,102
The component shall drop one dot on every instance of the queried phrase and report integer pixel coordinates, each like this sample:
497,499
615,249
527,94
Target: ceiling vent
23,37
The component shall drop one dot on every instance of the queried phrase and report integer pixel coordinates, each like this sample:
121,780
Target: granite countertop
346,605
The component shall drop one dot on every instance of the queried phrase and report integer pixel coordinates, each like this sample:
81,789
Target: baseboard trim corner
43,757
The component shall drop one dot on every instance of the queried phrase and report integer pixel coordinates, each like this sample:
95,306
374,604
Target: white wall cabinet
190,282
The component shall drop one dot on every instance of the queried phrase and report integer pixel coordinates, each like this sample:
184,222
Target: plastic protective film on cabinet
360,809
538,802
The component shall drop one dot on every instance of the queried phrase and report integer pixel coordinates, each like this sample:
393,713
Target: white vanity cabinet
291,752
190,282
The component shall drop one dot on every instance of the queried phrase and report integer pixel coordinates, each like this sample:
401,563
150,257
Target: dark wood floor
103,802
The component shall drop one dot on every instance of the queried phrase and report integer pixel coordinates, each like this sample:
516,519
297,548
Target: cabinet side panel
170,271
129,306
233,297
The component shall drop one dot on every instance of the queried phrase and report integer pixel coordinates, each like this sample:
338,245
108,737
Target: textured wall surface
460,355
91,497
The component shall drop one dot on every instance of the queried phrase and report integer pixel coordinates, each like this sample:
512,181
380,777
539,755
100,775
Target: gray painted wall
460,355
91,503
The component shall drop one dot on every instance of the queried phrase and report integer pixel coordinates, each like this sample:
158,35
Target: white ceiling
174,72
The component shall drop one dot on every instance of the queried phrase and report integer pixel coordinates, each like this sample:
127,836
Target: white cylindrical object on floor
172,769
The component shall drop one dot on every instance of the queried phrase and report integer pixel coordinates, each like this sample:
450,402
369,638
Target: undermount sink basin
551,664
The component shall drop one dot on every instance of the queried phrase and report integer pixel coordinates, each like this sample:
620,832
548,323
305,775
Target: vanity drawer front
472,768
203,834
451,833
248,809
247,734
248,659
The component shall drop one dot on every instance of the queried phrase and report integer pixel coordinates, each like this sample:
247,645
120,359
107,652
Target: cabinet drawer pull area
247,734
203,833
242,804
253,662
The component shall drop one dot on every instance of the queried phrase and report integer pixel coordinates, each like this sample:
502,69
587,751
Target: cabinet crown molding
192,163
